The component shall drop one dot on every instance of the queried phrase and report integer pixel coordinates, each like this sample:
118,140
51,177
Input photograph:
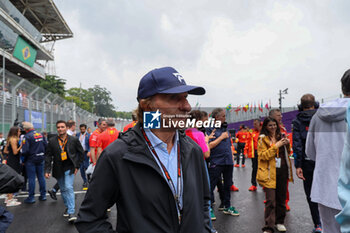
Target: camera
20,126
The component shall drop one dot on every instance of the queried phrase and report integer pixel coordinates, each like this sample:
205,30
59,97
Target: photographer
34,145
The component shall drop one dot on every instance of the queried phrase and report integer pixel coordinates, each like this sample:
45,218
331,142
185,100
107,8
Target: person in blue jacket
33,149
304,166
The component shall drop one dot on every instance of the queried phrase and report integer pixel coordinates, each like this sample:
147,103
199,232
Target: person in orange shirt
102,125
252,149
107,137
242,136
277,115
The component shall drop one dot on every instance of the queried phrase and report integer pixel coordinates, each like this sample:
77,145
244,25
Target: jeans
66,185
84,165
308,172
35,169
215,175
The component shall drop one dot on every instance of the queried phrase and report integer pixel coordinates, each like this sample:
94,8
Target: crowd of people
164,179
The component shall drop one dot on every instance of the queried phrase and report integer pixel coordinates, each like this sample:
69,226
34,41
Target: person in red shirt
242,136
132,124
107,137
102,125
277,115
252,148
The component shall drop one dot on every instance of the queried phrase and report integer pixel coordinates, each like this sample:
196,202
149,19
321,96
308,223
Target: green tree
52,83
82,97
124,115
102,101
79,102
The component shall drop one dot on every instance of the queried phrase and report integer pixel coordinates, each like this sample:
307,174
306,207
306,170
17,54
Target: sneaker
221,207
65,214
6,200
29,200
212,230
287,207
231,210
236,165
252,188
234,188
72,218
52,194
42,198
85,186
212,215
243,165
12,202
281,227
317,229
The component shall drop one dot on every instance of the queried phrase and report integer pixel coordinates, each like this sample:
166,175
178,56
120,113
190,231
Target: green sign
24,52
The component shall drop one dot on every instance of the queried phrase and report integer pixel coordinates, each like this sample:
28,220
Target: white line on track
37,195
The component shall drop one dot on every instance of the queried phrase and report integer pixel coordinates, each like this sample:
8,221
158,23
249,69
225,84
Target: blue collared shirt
168,160
222,153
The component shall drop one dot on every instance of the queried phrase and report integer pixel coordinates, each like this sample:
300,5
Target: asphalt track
46,217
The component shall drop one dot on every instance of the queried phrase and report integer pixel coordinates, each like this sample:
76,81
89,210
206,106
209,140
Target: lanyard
167,176
62,143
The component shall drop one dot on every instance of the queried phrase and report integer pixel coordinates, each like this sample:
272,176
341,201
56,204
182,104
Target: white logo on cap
179,77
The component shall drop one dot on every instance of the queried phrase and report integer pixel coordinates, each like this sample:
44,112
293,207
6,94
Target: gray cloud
240,51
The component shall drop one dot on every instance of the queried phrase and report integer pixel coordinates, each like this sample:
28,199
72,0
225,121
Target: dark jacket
34,146
10,180
300,129
87,137
74,151
128,175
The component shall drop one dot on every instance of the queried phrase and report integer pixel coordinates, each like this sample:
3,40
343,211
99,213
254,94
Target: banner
36,119
24,52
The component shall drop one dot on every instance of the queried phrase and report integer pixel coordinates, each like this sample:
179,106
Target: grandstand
26,28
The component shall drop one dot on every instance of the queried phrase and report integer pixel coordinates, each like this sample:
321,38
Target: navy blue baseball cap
165,80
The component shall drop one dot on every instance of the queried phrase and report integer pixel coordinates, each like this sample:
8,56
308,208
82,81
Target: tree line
96,99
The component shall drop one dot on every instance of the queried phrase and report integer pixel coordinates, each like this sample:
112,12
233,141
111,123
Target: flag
238,109
261,107
267,106
254,106
246,107
228,107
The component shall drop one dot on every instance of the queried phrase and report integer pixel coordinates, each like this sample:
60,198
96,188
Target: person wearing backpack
33,149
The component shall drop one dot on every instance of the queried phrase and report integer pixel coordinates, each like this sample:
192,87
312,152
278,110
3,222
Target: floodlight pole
284,92
3,92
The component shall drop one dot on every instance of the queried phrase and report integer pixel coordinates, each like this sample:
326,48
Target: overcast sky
239,51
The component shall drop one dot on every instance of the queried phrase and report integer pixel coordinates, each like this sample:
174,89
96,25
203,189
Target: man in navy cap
154,174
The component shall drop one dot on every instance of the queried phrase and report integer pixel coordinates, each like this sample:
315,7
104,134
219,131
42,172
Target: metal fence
22,100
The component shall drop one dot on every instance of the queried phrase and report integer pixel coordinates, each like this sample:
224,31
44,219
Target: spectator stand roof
45,17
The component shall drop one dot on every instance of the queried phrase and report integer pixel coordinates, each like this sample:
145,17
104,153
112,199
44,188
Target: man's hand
210,136
88,154
224,135
75,171
47,175
299,173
